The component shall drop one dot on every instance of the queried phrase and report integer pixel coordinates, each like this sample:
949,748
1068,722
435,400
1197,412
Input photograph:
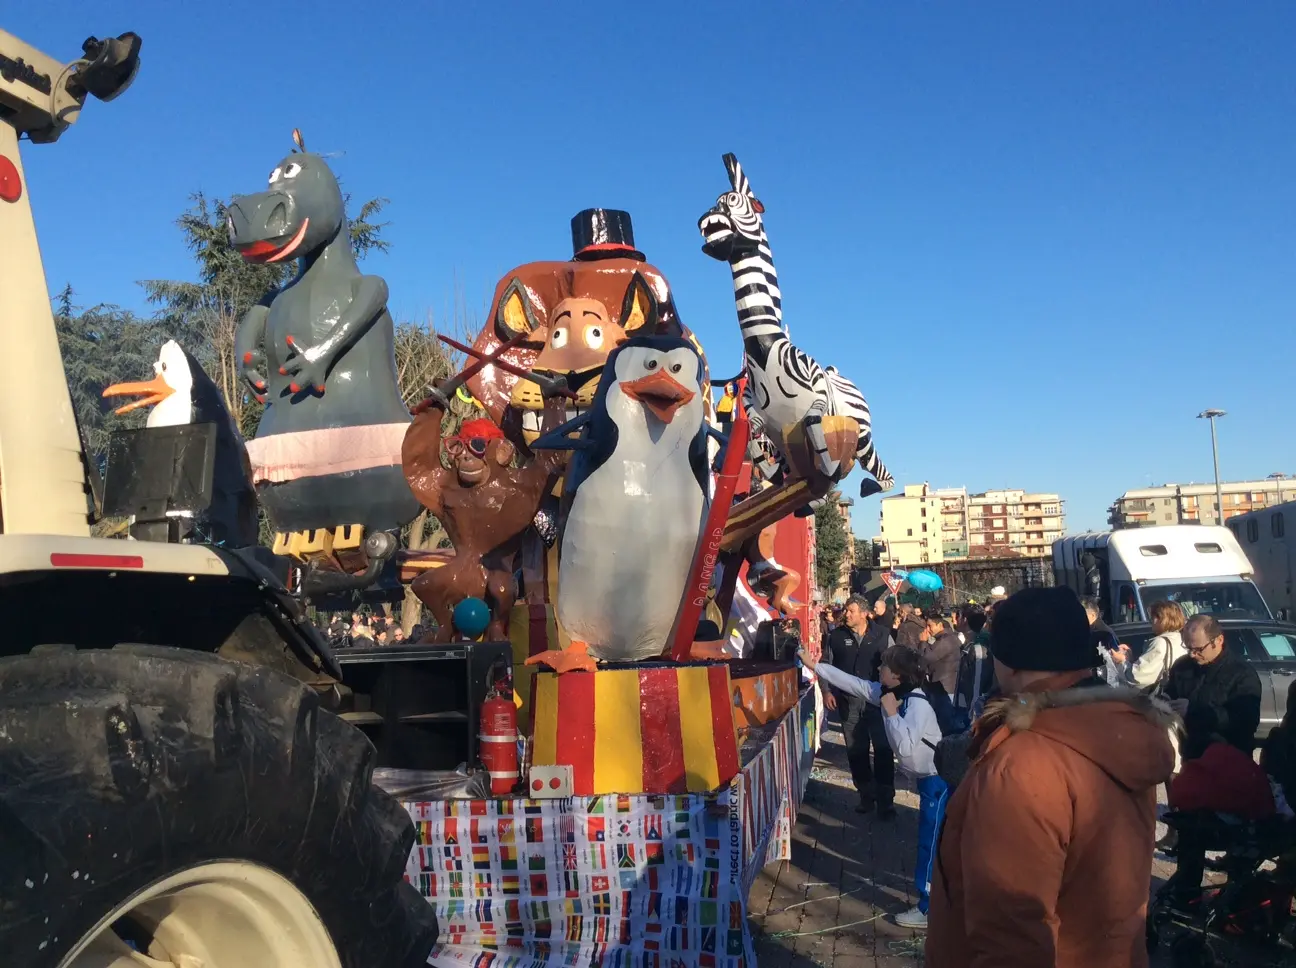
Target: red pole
704,559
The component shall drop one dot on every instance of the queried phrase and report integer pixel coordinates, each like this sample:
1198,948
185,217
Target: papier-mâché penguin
180,394
635,495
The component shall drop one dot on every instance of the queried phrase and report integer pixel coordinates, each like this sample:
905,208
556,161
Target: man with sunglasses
1217,692
1214,689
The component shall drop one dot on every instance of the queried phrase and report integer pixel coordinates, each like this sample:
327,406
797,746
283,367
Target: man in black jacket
1217,692
856,647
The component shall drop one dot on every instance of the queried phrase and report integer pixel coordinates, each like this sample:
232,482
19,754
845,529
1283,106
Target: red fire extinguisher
498,737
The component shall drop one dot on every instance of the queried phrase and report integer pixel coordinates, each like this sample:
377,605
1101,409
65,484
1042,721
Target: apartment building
925,525
1195,503
1013,524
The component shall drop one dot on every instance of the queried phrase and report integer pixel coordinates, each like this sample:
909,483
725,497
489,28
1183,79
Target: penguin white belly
628,543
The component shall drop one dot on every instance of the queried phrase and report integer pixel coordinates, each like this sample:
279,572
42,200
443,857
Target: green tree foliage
830,543
102,345
864,552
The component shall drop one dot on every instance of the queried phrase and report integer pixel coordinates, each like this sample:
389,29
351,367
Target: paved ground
827,905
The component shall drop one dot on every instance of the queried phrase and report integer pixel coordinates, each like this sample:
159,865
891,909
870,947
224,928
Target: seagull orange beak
150,393
660,393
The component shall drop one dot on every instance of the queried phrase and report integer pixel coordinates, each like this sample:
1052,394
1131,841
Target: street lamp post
1219,491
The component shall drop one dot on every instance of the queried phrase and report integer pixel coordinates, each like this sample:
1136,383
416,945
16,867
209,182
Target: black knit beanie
1042,630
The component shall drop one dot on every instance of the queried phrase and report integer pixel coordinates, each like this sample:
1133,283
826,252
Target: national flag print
652,826
627,879
684,881
654,854
707,913
623,803
596,856
594,828
602,904
482,883
710,884
708,939
537,862
735,916
511,884
504,830
571,884
508,858
599,884
734,944
539,885
477,808
535,830
451,835
478,831
625,855
481,858
681,910
569,857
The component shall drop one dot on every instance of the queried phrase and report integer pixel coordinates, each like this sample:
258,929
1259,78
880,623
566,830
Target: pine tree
830,543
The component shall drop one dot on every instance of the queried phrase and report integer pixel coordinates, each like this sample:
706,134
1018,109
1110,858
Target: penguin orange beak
660,393
150,393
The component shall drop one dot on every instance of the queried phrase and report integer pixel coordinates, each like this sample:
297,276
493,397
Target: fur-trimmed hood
1124,732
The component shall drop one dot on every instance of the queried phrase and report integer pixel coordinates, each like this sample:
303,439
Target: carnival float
606,735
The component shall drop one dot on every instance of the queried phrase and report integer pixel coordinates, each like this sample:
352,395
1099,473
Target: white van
1199,567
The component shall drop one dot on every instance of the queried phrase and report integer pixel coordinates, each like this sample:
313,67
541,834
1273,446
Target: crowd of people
1037,742
363,630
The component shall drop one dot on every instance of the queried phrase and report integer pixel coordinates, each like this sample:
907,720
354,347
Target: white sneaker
913,919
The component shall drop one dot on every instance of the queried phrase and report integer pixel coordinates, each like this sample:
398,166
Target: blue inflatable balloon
471,616
923,580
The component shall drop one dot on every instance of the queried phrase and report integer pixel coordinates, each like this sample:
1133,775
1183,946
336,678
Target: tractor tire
124,771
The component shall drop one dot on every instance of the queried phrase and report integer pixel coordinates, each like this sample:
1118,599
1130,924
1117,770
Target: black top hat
603,233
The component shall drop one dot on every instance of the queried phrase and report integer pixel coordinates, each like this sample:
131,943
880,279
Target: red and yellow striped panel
658,729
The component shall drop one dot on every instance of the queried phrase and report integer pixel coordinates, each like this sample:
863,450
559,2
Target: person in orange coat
1046,858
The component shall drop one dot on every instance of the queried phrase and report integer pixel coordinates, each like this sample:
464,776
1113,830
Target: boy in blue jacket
914,733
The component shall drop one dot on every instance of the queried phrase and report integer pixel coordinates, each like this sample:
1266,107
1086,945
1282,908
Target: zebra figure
785,387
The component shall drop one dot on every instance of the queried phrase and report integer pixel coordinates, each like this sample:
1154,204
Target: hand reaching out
890,705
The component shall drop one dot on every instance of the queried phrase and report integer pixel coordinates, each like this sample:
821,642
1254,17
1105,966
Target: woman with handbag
1166,646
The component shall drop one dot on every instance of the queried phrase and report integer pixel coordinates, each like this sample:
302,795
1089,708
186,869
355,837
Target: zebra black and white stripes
785,386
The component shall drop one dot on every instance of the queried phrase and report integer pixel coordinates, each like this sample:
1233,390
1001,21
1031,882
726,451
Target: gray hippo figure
319,353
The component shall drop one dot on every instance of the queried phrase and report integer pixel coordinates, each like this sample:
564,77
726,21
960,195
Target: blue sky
1039,239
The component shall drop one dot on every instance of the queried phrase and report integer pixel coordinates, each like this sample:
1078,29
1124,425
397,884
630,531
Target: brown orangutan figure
484,506
766,578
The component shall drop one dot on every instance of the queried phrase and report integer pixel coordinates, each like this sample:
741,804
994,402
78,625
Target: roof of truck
1169,551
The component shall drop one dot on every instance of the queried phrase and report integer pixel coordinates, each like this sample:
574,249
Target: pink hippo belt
333,450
